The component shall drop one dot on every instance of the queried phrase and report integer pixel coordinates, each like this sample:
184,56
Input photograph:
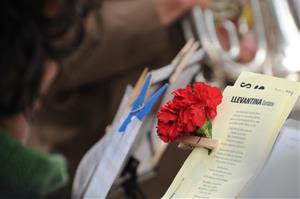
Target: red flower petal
189,108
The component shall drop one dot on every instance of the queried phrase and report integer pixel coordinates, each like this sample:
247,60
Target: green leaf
205,130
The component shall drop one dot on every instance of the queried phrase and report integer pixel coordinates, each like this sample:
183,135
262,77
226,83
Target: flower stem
205,130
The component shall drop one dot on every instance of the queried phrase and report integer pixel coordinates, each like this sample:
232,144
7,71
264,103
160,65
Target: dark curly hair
27,38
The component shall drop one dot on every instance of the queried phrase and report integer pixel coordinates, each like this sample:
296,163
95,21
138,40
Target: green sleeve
30,171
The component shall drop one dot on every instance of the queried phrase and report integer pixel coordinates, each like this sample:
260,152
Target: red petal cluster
189,109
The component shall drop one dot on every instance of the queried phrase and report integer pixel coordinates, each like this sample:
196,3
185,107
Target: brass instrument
274,24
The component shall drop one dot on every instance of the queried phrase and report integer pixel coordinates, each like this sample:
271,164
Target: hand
248,46
170,10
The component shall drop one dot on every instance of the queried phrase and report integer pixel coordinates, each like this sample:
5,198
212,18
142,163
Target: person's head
31,43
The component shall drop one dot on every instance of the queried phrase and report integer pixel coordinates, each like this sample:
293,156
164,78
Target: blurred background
121,37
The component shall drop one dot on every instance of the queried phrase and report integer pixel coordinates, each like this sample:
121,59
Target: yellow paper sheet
269,83
249,80
245,127
254,81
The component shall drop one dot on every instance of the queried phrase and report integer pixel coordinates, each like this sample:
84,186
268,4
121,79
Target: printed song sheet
264,83
247,124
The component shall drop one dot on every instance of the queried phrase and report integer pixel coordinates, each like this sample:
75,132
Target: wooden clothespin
183,51
189,142
138,86
141,108
182,63
166,71
136,90
181,145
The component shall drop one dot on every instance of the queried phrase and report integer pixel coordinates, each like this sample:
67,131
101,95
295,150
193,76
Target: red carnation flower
189,112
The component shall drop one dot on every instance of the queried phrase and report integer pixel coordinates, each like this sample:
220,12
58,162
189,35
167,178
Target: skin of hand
170,10
248,45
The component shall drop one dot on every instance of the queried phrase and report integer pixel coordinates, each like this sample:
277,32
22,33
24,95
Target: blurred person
118,39
28,65
37,39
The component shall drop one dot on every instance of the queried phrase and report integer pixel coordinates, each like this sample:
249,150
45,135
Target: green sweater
29,171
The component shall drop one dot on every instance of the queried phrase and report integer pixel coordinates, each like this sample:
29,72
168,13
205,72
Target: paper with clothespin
248,121
90,161
139,109
115,154
127,100
107,157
